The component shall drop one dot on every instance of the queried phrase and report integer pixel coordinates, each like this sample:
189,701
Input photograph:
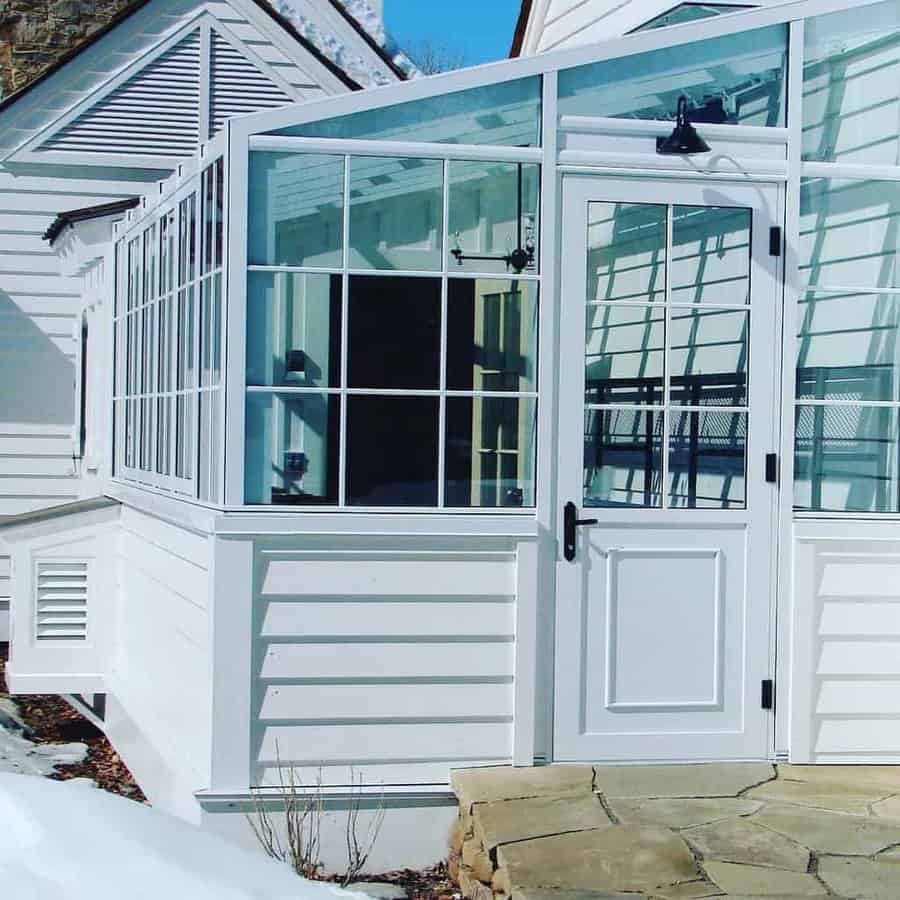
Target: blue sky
480,30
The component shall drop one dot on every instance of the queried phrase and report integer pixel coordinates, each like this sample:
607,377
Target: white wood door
670,334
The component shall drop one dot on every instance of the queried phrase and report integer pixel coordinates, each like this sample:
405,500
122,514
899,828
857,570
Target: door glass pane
490,452
847,347
295,215
708,355
491,335
707,450
622,459
624,354
396,218
626,251
710,255
846,459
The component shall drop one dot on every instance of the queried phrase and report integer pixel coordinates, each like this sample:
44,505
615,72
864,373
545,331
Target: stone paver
557,894
505,783
828,832
743,841
618,858
502,822
821,794
681,813
862,879
708,780
762,880
863,778
887,809
691,890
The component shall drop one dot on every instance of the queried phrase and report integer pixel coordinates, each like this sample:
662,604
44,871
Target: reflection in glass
295,216
622,459
396,218
491,335
626,251
851,102
689,12
846,459
184,436
708,355
392,451
848,232
848,347
394,332
292,449
707,460
506,114
735,79
711,255
208,470
293,329
490,452
493,212
624,354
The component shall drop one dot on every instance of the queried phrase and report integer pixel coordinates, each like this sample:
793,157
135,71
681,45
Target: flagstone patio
678,832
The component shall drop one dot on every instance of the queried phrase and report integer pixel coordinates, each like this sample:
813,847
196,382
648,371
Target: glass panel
689,12
184,436
396,213
708,355
710,255
624,354
851,72
219,231
491,335
186,360
394,332
846,459
707,460
296,212
294,329
626,251
493,213
187,239
848,346
163,430
849,233
622,459
392,451
210,447
490,452
293,445
737,79
506,114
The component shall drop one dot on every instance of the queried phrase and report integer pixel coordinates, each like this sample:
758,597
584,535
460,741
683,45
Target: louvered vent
238,86
155,112
61,608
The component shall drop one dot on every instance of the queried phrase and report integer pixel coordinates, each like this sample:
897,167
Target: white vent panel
61,602
238,86
155,112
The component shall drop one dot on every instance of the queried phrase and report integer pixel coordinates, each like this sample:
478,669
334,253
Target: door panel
663,618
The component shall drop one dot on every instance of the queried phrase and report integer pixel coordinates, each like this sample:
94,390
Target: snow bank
326,43
22,756
71,841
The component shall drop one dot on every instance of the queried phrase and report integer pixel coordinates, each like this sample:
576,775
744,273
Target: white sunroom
469,422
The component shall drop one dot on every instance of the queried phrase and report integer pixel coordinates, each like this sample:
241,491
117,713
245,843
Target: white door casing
664,617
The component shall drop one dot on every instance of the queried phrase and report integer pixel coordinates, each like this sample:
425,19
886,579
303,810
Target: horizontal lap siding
398,666
854,633
162,668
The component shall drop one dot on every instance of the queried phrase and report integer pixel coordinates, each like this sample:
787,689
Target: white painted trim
48,683
735,169
845,170
403,793
205,86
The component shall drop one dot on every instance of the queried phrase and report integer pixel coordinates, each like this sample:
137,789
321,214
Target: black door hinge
772,468
775,241
768,694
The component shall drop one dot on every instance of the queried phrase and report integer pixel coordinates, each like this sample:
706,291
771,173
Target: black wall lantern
684,140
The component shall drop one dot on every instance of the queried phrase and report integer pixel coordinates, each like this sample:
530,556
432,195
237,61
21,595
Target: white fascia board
26,151
551,61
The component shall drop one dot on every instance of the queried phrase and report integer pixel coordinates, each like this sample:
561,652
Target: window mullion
667,375
442,403
345,338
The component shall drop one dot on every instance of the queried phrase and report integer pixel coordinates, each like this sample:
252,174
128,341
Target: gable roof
73,216
127,11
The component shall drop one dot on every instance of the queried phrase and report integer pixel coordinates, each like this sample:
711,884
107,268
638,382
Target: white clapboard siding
399,663
237,86
848,645
156,111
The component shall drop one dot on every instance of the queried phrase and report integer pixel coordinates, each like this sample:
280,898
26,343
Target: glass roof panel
505,115
736,79
690,12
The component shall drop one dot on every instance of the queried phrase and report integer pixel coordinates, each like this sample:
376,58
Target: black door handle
570,523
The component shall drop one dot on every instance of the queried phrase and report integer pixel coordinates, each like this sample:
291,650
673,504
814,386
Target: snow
67,840
360,70
20,755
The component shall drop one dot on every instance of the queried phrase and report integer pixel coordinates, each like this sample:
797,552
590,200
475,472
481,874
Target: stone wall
35,33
